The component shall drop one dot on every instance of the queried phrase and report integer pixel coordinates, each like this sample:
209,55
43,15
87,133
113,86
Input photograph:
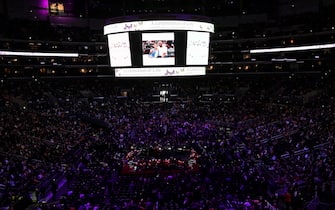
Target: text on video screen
119,50
197,50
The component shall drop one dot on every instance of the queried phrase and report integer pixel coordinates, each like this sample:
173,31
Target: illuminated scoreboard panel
119,49
159,48
197,50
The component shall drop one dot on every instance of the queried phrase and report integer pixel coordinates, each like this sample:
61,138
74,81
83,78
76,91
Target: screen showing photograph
158,49
119,50
197,50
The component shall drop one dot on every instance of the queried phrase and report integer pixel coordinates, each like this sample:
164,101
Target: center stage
156,160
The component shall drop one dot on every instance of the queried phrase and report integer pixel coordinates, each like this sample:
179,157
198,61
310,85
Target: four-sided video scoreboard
158,47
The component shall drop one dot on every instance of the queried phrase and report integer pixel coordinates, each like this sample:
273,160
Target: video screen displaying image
119,50
197,50
158,49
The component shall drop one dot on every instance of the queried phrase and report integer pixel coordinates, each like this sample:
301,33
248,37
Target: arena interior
255,132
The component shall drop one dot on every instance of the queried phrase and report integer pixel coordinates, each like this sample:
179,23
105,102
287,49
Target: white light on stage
289,49
38,54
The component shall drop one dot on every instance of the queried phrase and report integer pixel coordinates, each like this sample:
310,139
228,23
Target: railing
270,206
325,206
313,204
305,150
279,136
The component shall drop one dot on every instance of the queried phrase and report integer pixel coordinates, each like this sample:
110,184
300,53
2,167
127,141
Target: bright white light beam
37,54
288,49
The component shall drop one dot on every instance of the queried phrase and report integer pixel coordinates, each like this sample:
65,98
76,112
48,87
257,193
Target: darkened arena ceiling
241,26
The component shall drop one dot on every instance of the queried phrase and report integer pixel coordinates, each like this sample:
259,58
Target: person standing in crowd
54,189
153,53
162,49
288,200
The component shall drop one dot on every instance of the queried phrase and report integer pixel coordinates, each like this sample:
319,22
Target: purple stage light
44,4
43,11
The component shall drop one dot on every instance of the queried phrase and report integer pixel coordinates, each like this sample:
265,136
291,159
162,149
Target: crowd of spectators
271,141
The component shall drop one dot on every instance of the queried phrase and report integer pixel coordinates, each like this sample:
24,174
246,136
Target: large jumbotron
159,45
